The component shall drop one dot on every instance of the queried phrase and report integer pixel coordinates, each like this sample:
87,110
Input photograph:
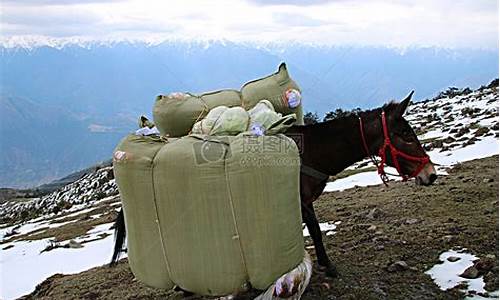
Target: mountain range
64,107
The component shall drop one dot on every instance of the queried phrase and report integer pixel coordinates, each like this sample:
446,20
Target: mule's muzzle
432,178
427,176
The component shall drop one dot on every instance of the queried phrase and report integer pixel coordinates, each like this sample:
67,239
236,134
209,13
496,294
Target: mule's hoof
330,270
185,294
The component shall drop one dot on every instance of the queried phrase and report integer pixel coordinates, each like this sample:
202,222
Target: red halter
394,155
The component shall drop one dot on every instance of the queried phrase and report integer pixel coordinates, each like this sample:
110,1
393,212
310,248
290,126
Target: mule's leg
309,217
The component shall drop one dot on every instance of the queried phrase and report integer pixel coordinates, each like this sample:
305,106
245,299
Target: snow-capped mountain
73,224
57,92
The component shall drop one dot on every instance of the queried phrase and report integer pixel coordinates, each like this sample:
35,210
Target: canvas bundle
212,214
259,120
175,114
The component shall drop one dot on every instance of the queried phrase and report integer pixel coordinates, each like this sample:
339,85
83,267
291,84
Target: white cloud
401,23
292,2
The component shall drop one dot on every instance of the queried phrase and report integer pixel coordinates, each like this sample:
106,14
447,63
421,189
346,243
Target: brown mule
328,148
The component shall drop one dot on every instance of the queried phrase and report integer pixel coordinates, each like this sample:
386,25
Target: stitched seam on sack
234,216
217,92
158,218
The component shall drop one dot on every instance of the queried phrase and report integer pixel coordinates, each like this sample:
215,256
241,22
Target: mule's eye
407,134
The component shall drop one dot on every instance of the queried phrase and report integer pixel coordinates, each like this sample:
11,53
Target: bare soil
379,226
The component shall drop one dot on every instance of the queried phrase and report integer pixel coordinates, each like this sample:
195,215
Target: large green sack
272,88
215,213
175,115
133,168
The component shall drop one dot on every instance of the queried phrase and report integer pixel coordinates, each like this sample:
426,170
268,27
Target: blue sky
393,23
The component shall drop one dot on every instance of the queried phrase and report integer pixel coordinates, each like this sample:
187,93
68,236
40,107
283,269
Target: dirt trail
379,226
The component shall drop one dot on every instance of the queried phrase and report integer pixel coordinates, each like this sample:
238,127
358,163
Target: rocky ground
388,237
94,185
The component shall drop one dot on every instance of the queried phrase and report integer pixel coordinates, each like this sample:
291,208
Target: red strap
380,167
394,152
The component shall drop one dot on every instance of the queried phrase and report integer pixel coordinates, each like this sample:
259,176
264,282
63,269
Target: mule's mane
386,107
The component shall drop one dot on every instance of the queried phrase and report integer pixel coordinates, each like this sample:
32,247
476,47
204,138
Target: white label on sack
293,97
177,95
120,156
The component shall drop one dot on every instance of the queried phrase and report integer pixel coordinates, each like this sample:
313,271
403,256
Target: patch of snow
485,147
31,226
446,274
488,122
109,197
19,262
96,216
436,133
19,229
329,227
493,295
100,228
77,212
361,179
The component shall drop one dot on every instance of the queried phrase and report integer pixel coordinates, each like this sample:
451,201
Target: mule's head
404,139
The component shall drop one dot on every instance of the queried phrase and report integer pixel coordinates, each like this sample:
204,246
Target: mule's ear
403,105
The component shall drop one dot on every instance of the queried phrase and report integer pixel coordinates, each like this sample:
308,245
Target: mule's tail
120,233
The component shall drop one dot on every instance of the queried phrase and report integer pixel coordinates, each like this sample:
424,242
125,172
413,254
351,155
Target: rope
394,154
235,223
380,168
164,251
205,109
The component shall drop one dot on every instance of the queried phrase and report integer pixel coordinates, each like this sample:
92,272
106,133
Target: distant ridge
71,100
59,183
